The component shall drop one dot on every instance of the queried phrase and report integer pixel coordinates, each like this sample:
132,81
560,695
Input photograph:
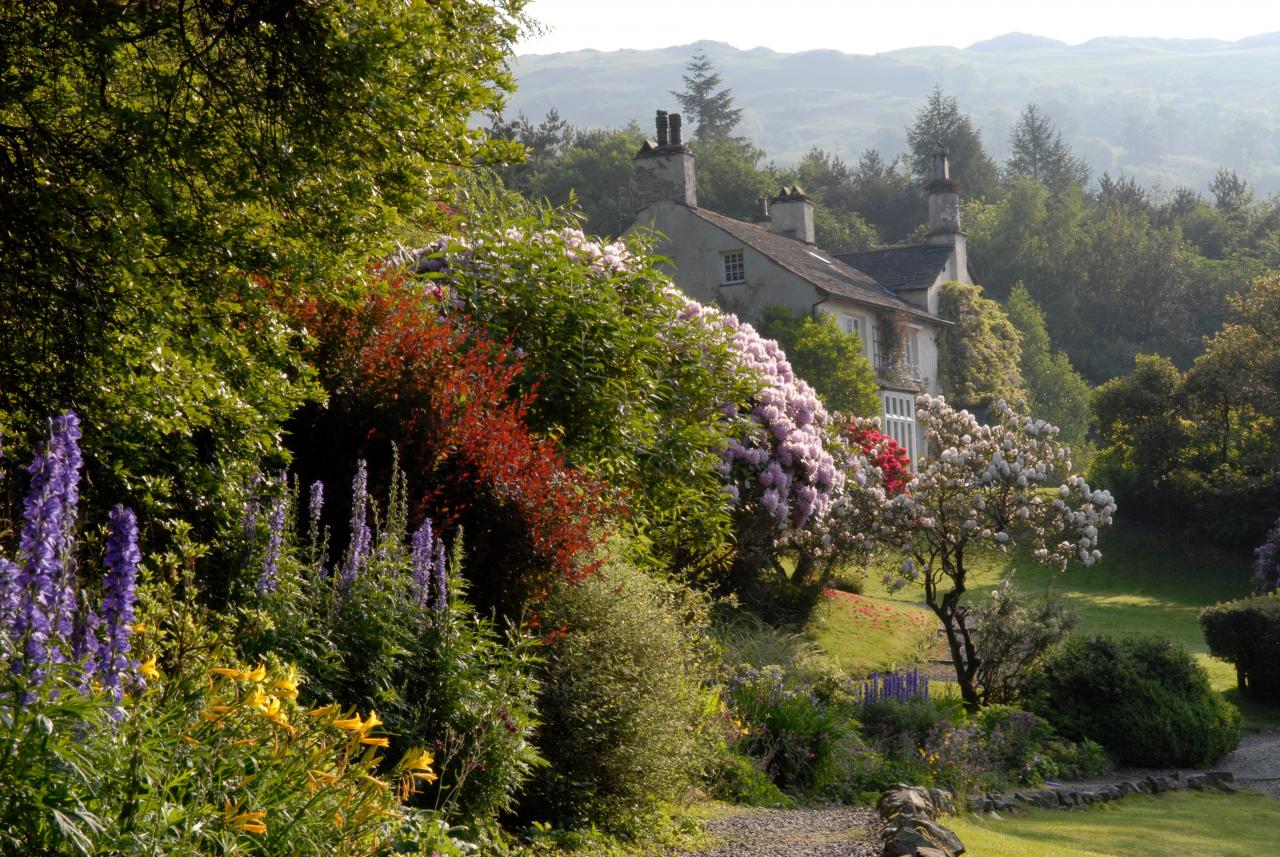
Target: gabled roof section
821,269
902,268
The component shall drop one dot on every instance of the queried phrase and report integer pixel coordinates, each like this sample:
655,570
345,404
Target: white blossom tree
985,485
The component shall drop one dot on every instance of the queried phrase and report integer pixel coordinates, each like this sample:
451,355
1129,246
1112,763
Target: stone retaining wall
1065,797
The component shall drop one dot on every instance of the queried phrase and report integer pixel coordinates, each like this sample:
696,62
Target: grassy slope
1149,582
1185,824
862,633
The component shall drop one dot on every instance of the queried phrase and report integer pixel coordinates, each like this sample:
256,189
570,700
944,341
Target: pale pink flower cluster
987,484
780,462
599,257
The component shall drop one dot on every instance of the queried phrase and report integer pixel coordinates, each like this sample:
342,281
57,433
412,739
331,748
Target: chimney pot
675,130
662,127
762,213
941,165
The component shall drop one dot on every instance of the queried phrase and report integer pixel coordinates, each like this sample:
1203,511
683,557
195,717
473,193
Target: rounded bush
1142,698
624,702
1246,633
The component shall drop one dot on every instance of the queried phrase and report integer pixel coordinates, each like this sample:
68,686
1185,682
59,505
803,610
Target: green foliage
439,678
829,182
1142,698
1246,633
1056,392
632,396
624,702
165,162
708,107
1037,151
1014,636
199,762
730,179
738,778
939,123
790,728
829,359
979,355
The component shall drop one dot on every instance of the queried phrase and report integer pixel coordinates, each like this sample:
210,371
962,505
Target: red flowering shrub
400,372
884,453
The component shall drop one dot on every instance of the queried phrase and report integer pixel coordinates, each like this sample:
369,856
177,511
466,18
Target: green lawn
1148,582
1185,824
862,633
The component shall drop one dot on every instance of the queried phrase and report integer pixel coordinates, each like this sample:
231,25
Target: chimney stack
792,215
762,213
664,169
944,202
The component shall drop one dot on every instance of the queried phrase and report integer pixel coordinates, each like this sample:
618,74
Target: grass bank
1181,823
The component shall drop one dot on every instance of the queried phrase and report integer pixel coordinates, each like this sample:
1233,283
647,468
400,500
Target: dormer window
735,269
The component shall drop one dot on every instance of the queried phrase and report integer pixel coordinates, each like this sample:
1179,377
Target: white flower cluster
987,484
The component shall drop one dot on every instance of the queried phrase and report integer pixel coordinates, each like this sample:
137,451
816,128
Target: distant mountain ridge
1166,111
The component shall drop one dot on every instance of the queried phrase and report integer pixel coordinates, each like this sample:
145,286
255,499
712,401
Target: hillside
1167,111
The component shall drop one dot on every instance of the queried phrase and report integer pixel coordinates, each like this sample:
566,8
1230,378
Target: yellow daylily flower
258,673
287,687
422,761
148,669
324,710
375,781
228,672
323,776
350,724
376,742
428,776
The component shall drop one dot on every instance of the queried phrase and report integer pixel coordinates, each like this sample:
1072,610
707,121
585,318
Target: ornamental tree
986,488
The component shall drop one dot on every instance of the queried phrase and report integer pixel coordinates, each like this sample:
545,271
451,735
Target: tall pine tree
940,123
709,107
1038,151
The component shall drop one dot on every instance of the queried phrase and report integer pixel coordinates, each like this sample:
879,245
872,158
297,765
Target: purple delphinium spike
360,535
269,579
36,622
121,593
86,649
66,437
9,572
251,508
441,570
420,562
314,508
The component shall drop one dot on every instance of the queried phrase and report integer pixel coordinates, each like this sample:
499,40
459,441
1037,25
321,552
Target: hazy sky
857,26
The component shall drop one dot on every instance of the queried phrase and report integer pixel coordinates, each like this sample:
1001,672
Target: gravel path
829,832
1256,762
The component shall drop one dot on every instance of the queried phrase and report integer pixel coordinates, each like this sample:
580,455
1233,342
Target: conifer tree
1038,151
941,124
705,104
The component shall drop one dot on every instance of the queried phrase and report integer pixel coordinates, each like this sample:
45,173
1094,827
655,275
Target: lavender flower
899,687
441,569
314,508
421,561
361,537
9,591
85,645
269,579
117,604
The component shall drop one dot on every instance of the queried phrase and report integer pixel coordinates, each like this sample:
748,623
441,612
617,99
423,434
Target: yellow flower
323,776
286,687
138,628
420,762
324,711
229,672
148,669
193,742
376,742
350,724
249,822
372,722
375,781
429,776
257,674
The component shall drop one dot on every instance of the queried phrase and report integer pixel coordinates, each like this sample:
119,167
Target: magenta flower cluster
41,613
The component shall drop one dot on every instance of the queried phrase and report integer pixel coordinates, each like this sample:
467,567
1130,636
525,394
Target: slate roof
902,268
821,269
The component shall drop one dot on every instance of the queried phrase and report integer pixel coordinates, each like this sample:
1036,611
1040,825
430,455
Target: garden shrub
900,727
1014,635
627,717
789,727
1144,699
389,625
738,778
1246,633
400,371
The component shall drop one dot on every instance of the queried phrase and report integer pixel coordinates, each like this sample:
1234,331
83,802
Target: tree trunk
959,640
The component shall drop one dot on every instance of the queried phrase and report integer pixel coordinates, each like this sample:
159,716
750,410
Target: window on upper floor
735,268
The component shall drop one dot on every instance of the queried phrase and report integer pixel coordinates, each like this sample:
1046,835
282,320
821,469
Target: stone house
889,297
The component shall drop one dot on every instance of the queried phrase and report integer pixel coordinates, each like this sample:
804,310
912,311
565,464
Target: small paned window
735,269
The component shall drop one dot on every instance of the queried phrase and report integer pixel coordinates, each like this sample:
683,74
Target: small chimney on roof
762,213
792,215
664,169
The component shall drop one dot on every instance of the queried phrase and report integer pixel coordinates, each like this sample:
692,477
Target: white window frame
733,268
900,420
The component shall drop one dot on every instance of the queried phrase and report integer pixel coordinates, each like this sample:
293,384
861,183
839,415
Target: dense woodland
374,506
